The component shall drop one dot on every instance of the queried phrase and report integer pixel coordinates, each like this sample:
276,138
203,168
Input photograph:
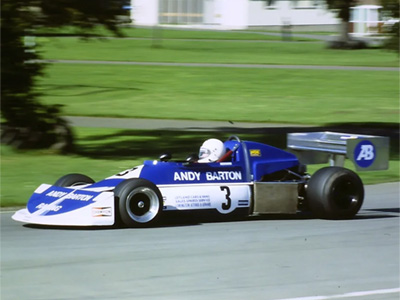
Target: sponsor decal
255,152
69,196
79,197
193,201
49,207
223,175
208,176
220,197
364,154
101,212
188,176
56,194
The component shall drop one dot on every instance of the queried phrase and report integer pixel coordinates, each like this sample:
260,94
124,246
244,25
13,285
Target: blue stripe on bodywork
74,199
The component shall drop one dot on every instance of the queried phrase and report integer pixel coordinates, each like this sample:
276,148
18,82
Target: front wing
51,205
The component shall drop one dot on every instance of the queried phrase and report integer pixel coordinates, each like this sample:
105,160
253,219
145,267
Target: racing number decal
227,205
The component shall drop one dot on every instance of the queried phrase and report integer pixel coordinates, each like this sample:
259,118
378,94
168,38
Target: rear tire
139,202
335,193
73,180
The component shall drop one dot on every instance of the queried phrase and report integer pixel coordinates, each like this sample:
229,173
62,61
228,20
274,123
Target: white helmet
211,151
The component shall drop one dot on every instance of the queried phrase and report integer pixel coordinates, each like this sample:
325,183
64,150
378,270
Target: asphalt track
292,258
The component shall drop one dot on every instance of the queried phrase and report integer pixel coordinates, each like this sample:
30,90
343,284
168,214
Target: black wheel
139,202
73,180
335,193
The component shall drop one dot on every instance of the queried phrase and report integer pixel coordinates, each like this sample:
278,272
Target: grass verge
166,33
200,51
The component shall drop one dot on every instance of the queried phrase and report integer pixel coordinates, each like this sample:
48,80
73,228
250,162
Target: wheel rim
345,195
142,204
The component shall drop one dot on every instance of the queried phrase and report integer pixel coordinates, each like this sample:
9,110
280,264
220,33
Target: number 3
227,205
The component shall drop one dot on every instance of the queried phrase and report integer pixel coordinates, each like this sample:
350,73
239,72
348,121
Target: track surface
296,258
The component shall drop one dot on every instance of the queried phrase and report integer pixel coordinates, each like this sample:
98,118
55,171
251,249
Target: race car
251,178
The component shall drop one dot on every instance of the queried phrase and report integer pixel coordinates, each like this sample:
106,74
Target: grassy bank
235,52
263,95
167,33
244,94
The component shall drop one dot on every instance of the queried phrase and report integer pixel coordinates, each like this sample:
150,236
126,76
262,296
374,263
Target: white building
234,14
366,20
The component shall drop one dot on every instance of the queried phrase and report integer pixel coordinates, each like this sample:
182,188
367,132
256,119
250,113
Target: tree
391,11
343,12
28,123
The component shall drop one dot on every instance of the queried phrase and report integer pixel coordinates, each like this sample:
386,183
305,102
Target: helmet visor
204,153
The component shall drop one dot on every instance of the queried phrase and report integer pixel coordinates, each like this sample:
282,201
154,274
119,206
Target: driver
211,151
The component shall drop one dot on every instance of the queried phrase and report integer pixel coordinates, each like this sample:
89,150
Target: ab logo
364,153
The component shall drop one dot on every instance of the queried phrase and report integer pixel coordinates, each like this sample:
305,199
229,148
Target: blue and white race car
250,179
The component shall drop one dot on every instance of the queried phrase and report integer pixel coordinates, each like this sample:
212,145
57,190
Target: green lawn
168,33
270,95
263,95
235,52
260,30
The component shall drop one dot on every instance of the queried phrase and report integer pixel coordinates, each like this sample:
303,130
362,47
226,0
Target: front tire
73,180
335,193
139,202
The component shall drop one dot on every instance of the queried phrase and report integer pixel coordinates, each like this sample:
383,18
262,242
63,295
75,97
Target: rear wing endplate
367,152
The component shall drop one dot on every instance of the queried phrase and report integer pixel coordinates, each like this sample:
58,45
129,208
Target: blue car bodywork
252,178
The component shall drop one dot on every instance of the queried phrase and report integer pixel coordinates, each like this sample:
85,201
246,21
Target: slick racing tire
73,180
139,202
335,193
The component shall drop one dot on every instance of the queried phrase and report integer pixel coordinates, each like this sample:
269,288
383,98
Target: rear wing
367,152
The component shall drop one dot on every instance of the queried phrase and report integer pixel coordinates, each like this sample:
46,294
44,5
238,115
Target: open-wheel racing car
250,179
